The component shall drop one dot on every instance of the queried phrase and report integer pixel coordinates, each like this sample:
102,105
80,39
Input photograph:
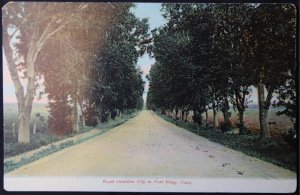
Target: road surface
149,146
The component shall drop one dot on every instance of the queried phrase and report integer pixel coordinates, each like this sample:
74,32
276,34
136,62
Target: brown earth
149,146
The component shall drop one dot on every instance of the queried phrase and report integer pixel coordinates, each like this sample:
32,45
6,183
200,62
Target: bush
290,136
66,144
225,127
113,114
242,128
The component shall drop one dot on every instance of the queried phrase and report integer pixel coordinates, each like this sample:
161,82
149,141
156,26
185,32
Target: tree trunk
264,130
185,114
23,130
241,118
34,128
82,115
176,113
225,117
75,116
215,116
225,113
163,111
98,119
240,105
206,117
35,44
109,116
13,130
24,117
197,117
22,122
241,121
83,122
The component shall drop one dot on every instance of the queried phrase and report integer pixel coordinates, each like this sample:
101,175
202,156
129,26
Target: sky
155,19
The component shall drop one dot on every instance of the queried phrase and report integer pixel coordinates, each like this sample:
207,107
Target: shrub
290,137
225,127
66,144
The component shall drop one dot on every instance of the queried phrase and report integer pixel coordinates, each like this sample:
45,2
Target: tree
33,24
230,22
272,52
113,79
227,49
78,44
29,27
55,74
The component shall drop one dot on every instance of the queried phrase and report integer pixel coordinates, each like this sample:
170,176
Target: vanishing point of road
147,145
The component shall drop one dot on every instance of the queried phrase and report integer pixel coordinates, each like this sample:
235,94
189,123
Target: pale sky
152,12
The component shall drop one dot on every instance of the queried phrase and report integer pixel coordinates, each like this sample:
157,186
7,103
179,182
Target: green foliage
208,55
66,144
114,81
92,64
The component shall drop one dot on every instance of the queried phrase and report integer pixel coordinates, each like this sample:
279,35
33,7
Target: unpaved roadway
149,146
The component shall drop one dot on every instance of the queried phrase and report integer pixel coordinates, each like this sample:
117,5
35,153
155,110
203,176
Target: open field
10,111
251,118
277,124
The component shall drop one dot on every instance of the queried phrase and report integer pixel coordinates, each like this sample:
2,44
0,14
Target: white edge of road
157,184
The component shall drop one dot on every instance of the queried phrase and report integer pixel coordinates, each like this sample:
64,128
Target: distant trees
208,55
61,43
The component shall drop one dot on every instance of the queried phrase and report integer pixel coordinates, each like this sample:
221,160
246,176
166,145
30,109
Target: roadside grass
272,150
49,140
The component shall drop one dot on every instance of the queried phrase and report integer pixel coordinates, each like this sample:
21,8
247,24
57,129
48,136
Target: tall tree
34,24
272,52
230,22
113,79
29,26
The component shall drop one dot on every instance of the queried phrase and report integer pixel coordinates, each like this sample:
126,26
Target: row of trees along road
85,53
210,55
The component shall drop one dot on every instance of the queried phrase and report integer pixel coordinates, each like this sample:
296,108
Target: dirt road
149,146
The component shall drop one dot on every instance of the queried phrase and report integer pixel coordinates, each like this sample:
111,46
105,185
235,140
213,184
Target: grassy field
277,124
10,111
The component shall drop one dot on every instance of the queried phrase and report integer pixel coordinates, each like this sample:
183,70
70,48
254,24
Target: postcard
150,97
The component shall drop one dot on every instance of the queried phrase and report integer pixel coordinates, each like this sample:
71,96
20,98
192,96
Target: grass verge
10,165
270,150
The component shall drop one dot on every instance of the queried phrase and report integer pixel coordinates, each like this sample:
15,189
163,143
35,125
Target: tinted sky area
142,10
155,19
